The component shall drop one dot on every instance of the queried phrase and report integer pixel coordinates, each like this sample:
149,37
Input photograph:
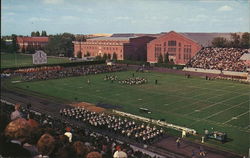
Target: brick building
125,46
179,47
34,42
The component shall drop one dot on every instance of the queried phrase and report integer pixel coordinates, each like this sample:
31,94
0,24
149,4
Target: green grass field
18,60
194,102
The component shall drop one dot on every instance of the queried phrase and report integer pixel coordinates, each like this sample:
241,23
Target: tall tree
105,56
44,33
245,40
160,58
166,58
114,56
79,54
219,42
60,44
33,34
109,56
88,54
15,46
37,33
235,43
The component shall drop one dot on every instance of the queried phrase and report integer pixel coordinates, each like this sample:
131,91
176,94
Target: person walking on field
178,142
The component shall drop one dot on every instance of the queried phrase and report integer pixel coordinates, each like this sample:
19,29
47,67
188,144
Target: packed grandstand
227,59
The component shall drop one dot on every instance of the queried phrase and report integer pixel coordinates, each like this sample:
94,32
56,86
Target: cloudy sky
123,16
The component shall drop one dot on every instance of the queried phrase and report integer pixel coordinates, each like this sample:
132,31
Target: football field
195,102
18,60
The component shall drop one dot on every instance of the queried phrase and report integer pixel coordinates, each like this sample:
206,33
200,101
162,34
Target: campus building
125,46
35,42
181,47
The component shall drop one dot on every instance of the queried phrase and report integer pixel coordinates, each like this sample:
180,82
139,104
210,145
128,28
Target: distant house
32,42
39,57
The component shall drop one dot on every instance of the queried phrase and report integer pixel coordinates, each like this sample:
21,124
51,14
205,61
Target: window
157,50
165,43
171,43
179,44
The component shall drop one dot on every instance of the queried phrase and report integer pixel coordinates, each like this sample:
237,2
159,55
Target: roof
111,38
205,39
245,56
32,39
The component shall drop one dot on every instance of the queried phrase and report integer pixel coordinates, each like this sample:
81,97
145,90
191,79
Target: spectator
80,149
94,155
119,153
68,134
17,133
45,145
16,114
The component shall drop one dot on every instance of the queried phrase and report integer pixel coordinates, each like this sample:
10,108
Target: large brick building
34,42
125,46
179,48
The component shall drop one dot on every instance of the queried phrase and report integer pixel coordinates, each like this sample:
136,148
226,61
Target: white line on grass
205,119
225,110
215,104
233,118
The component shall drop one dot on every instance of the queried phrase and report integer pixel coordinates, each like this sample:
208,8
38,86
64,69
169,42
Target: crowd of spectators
36,135
226,59
121,126
69,72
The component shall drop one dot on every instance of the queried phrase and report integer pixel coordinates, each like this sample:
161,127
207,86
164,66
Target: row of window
103,43
171,44
104,48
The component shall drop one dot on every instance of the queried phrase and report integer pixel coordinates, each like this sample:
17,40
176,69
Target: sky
21,17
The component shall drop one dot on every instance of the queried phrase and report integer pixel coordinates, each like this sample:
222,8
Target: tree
37,33
23,50
98,57
245,40
15,46
114,56
30,49
235,43
160,58
33,34
109,56
44,33
105,56
88,54
79,54
219,42
166,58
60,44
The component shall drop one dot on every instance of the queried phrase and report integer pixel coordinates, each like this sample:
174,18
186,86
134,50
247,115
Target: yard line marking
235,117
225,110
206,118
216,103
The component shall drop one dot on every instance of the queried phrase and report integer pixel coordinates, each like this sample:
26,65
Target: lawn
195,102
18,60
